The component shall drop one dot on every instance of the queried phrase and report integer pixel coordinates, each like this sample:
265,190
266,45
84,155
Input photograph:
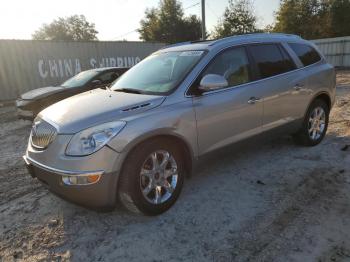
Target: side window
108,77
307,54
271,60
232,64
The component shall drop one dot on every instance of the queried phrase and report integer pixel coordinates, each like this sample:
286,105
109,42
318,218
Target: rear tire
152,177
315,124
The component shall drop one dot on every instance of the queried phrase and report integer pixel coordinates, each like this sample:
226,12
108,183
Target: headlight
92,139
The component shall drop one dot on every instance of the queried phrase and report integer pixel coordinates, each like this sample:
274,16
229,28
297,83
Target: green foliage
168,24
238,18
313,18
340,18
73,28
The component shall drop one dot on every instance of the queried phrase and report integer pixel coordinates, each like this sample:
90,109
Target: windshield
80,79
158,73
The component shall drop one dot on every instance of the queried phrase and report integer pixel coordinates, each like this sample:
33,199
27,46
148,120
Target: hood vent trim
135,107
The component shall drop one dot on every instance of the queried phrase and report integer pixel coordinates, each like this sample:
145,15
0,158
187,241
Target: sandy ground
270,202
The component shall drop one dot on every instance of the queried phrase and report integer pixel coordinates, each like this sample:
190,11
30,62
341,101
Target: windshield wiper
128,90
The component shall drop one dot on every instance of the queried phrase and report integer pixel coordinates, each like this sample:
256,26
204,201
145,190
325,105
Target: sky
114,19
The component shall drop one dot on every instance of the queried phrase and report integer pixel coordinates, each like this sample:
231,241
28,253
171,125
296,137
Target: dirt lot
271,202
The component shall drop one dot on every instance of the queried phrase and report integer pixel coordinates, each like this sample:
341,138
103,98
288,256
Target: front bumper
101,194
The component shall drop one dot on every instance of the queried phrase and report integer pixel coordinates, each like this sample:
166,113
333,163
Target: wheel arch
302,135
325,97
322,96
186,148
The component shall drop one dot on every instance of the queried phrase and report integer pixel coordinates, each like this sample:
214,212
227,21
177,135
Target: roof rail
201,41
233,37
188,42
254,35
177,44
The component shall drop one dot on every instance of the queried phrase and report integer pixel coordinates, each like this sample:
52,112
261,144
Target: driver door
232,113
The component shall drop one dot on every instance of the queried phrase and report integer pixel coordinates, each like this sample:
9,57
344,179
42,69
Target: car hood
41,92
96,107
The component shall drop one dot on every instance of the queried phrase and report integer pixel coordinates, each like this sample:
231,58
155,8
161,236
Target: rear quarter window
307,54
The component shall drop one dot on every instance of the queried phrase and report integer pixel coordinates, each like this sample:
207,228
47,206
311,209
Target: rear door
281,83
231,113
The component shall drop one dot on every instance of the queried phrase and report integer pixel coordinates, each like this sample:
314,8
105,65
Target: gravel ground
269,202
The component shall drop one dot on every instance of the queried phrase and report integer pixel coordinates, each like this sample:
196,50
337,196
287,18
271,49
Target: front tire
315,124
152,177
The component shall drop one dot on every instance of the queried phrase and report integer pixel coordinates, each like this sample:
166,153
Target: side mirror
212,82
96,82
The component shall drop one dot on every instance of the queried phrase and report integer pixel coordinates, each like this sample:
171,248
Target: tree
238,18
340,18
168,24
73,28
302,17
313,18
191,28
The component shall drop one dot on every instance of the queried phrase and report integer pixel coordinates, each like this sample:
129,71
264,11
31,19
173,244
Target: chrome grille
42,134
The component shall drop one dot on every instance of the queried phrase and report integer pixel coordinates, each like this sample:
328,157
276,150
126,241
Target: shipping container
30,64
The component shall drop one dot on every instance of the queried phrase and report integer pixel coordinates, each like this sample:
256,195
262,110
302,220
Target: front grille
42,134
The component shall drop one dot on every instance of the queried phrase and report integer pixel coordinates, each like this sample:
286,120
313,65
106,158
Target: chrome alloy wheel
317,123
158,177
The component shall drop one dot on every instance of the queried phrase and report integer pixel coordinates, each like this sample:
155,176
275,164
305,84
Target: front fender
177,120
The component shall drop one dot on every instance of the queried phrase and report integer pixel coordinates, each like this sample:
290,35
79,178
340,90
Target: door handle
253,100
298,87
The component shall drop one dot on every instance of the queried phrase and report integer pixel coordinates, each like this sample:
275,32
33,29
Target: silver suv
138,139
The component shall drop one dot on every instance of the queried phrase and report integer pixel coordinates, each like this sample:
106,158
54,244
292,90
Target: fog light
81,179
